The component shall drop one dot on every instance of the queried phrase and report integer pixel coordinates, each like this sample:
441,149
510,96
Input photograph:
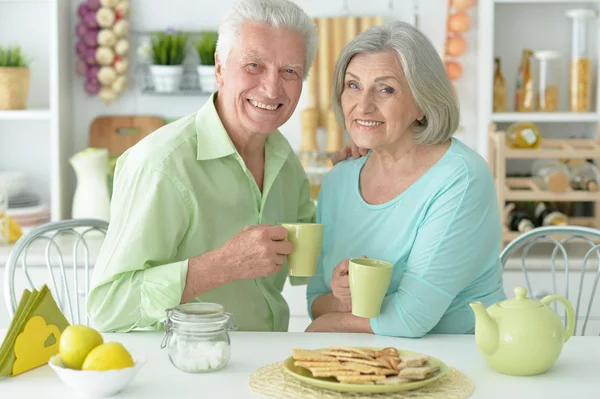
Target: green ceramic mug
307,239
369,281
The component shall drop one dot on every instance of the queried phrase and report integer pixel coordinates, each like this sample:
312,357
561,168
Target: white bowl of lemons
92,367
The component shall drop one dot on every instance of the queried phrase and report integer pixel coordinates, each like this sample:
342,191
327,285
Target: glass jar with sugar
197,336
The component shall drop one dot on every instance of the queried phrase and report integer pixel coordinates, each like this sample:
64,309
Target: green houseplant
168,54
205,48
14,78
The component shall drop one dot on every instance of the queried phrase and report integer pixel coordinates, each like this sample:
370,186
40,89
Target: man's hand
340,285
350,150
256,251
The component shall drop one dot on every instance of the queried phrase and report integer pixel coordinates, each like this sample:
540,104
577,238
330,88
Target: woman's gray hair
275,13
424,71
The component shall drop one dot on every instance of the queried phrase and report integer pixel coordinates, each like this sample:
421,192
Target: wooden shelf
549,117
508,235
27,114
557,148
526,189
519,189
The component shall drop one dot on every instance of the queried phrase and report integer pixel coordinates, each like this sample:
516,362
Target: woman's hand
340,286
340,322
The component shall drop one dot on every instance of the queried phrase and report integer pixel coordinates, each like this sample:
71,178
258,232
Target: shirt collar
214,141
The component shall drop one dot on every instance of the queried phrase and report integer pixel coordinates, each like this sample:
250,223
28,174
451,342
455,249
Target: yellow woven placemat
272,382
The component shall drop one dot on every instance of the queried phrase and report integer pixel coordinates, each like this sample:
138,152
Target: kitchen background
37,143
26,142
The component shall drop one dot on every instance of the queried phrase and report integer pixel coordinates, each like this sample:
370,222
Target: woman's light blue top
442,235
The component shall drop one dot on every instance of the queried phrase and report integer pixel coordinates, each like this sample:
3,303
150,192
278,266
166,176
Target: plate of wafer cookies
367,370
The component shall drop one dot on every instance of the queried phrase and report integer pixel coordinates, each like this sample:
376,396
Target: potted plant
206,47
14,79
168,54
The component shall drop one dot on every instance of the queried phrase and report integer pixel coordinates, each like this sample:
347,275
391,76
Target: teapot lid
520,301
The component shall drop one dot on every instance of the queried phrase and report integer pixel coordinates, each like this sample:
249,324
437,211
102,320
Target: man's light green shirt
180,192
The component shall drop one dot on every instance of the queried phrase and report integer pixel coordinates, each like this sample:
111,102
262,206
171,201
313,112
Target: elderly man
196,203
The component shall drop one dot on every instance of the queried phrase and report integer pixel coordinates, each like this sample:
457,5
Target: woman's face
379,108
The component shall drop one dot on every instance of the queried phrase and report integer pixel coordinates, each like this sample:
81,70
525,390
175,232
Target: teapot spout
486,329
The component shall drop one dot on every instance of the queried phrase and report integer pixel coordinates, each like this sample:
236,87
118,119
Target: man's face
261,84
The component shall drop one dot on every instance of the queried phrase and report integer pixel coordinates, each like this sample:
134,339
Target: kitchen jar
547,80
315,178
551,175
580,65
197,336
523,135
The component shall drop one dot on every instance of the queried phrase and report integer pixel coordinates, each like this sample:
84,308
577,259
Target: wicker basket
14,88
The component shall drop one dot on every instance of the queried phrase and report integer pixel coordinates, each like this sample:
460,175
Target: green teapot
521,336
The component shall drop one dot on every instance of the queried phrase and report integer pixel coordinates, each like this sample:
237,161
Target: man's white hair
275,13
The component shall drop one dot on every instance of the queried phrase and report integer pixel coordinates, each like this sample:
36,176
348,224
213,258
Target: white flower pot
166,78
208,81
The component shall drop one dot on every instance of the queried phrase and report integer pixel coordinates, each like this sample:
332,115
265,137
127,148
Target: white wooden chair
55,240
578,275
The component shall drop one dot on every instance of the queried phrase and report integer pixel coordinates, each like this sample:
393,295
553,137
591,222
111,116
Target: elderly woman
419,199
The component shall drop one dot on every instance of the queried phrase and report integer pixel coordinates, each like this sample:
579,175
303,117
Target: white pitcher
91,199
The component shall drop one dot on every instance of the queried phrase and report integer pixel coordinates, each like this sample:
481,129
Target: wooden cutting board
118,133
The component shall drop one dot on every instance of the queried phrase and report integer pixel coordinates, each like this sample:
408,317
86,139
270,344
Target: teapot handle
570,313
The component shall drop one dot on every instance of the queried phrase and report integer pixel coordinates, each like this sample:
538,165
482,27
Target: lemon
108,356
76,342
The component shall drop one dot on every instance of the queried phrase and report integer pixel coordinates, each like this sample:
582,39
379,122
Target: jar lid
547,55
201,316
581,13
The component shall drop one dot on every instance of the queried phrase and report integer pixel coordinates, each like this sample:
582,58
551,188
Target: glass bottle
580,65
547,80
335,135
524,89
584,176
523,135
551,175
518,220
548,215
315,176
4,225
309,149
499,89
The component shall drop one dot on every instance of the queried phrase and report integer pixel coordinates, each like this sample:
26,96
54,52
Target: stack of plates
30,216
23,200
24,207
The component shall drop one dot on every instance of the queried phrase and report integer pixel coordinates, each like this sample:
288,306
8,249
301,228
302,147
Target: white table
576,373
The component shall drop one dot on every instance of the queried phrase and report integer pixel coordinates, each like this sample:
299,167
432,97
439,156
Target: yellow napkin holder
34,333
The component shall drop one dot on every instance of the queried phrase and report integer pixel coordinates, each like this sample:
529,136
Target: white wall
148,15
28,141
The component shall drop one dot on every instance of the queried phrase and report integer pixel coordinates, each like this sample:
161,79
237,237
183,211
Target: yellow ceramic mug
369,281
307,239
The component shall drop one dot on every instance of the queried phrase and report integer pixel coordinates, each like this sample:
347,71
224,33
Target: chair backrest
568,254
49,245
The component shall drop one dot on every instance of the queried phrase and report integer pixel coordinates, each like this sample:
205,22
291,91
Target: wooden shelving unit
526,189
545,117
